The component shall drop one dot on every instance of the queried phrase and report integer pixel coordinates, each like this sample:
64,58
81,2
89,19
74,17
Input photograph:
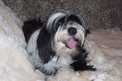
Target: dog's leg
80,63
49,68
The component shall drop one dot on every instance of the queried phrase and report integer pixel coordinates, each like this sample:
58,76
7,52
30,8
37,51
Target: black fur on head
62,17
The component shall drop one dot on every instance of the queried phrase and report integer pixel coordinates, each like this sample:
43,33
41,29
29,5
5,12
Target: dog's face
69,32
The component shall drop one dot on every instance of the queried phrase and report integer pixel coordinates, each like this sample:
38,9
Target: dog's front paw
51,71
48,70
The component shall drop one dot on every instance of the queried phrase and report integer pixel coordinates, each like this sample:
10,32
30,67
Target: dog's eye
59,23
74,20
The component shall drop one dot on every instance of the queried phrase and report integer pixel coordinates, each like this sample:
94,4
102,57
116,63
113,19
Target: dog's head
65,30
70,31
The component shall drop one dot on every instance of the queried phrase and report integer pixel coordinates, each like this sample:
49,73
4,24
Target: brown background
96,13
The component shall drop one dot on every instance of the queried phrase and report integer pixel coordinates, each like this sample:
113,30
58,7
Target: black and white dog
57,43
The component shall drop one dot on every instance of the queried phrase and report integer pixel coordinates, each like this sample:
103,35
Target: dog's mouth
70,43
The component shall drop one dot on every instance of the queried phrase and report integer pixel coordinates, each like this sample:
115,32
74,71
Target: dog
57,43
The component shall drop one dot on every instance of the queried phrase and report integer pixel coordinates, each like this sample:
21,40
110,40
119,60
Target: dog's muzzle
72,31
71,42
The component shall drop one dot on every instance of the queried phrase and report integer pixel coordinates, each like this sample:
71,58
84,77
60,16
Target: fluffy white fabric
14,64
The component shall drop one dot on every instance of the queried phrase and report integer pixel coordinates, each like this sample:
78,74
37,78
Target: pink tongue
71,43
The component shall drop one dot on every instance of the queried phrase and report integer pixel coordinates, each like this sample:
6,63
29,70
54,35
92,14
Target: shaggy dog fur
57,43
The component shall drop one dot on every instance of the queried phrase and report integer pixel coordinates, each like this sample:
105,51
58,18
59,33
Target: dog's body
57,43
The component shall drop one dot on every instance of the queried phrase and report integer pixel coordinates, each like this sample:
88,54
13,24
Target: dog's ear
87,32
44,43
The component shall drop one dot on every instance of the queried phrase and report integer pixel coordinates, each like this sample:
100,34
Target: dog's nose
72,31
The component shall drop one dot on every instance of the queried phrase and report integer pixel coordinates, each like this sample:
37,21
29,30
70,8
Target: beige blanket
104,47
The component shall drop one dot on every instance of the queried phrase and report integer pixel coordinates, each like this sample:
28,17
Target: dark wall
96,13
